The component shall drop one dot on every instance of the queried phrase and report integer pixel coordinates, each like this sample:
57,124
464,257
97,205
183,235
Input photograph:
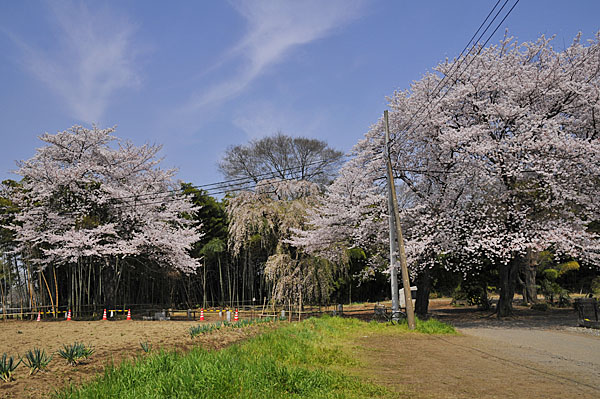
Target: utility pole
396,240
393,260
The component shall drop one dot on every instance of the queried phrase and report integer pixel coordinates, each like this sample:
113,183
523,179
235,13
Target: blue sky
199,76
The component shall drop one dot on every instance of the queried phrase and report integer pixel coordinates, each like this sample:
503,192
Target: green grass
201,329
310,359
431,326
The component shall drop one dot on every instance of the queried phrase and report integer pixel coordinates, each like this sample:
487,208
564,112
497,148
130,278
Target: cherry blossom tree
499,159
96,205
352,213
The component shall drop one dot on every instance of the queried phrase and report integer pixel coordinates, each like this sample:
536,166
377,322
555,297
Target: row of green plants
38,360
202,329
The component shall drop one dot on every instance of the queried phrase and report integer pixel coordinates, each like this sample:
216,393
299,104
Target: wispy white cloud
274,28
263,118
92,59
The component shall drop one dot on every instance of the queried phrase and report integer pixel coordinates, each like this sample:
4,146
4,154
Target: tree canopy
503,158
281,157
82,198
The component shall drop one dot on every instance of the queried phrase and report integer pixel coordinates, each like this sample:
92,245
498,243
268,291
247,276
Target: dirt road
466,366
558,349
546,339
534,354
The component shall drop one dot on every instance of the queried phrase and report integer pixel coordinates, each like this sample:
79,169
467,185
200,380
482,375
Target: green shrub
550,274
75,353
36,360
567,267
473,294
146,347
553,291
7,366
595,286
564,299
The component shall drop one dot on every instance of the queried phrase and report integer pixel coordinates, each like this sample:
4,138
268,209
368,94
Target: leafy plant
87,352
7,366
553,291
76,352
474,293
36,360
595,286
550,274
146,346
205,328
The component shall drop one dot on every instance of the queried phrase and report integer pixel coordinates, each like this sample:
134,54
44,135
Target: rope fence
147,311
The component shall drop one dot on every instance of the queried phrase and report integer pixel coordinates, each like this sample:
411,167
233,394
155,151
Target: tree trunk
204,284
529,269
55,288
222,296
508,281
49,292
423,290
230,285
109,277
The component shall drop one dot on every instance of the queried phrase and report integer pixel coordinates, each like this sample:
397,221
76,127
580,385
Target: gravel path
552,342
562,351
548,343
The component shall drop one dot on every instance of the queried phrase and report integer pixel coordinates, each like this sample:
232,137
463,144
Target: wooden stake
49,293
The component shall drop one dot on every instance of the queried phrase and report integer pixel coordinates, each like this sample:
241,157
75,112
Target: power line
215,188
242,184
225,185
451,76
246,185
460,60
163,200
476,54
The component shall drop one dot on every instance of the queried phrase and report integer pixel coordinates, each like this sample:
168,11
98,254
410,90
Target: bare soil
464,367
114,341
533,354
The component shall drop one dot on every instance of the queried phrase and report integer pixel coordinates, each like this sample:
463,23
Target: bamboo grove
90,227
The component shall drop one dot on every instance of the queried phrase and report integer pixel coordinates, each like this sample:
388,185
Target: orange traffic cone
236,318
129,314
104,315
69,315
39,316
201,314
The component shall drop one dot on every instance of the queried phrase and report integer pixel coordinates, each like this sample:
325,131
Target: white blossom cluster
500,156
88,195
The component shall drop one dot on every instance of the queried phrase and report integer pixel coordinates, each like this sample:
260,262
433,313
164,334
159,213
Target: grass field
311,359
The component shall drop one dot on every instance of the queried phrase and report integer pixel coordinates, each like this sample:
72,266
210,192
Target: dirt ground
530,355
533,354
113,341
464,367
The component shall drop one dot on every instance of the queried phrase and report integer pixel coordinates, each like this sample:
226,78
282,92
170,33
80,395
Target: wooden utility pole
397,232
